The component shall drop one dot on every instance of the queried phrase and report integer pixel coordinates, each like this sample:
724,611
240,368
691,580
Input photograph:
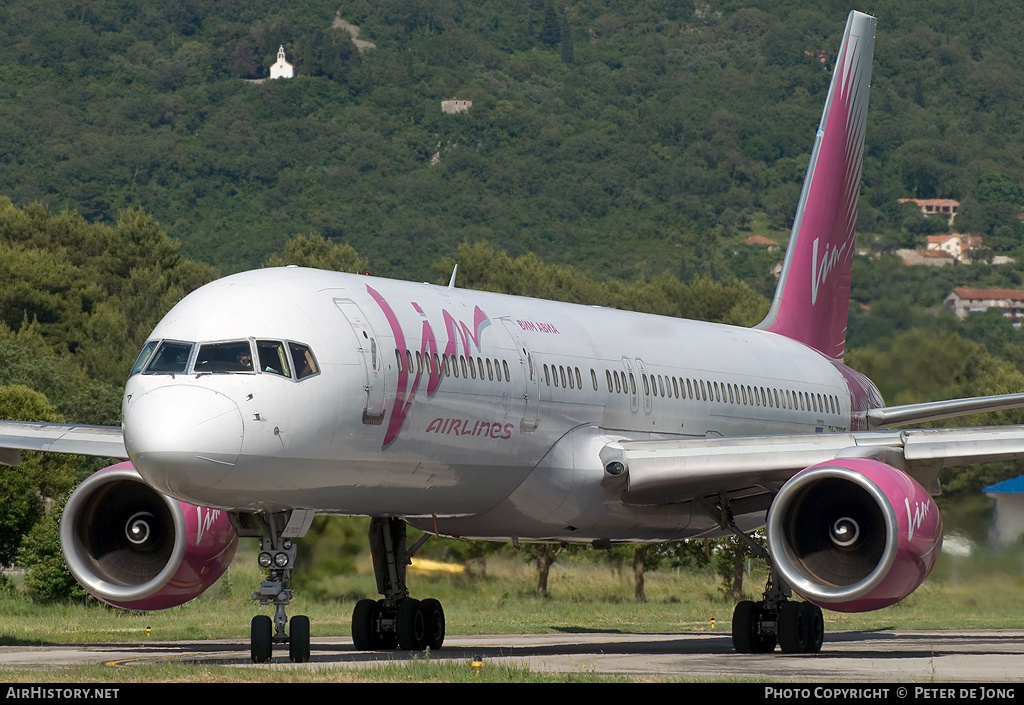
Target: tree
243,60
482,267
47,578
915,366
544,555
329,550
27,359
29,487
313,250
568,56
730,557
550,32
639,560
675,554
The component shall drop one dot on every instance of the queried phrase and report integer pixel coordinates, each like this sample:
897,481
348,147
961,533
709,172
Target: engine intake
133,547
853,534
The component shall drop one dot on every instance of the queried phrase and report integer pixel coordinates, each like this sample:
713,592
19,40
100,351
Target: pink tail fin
813,295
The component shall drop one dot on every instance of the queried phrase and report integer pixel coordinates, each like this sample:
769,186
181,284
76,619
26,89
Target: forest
616,153
624,136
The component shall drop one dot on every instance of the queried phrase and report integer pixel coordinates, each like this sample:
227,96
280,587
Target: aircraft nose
183,439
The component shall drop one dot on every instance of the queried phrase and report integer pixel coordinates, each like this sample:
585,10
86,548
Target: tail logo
821,270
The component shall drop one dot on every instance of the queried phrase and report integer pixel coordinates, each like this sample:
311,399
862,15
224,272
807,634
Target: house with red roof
966,300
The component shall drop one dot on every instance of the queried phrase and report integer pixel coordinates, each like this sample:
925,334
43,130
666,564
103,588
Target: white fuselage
481,413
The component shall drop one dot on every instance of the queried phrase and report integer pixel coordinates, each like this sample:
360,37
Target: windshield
147,352
170,358
273,358
235,356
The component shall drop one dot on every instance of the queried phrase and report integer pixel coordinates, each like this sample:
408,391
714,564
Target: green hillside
624,137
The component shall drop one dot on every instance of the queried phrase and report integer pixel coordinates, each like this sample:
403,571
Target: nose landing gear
276,556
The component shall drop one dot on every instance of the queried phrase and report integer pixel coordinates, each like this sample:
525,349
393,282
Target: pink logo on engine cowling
205,519
916,518
405,391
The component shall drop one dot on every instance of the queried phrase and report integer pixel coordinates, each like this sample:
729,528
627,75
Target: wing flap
102,441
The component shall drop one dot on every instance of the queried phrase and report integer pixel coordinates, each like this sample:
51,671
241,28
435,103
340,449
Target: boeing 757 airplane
268,397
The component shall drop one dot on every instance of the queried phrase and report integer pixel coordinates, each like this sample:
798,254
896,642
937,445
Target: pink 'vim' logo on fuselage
455,330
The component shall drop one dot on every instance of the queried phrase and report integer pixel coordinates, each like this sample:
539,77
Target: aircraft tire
794,628
747,637
260,638
298,639
411,625
815,627
365,617
433,615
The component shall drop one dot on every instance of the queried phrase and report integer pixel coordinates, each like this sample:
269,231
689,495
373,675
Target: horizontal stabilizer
890,416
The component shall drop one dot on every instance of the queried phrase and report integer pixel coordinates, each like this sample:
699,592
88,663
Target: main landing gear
276,556
397,619
757,627
797,627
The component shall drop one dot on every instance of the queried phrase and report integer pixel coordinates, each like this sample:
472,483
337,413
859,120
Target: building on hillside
930,258
762,241
966,300
282,69
1008,517
958,245
456,106
935,206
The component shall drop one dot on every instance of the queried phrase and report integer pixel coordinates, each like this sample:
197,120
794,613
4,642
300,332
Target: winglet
812,299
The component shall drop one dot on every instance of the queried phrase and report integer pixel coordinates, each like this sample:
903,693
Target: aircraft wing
660,472
16,436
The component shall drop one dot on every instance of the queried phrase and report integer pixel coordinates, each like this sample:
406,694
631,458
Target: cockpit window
235,356
305,363
147,352
273,358
170,358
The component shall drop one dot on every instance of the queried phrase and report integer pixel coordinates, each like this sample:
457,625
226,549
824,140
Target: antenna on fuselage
451,282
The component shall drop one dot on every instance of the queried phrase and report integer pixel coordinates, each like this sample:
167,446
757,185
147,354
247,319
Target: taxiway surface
984,655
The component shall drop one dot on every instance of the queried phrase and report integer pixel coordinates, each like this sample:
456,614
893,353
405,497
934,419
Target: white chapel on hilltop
282,69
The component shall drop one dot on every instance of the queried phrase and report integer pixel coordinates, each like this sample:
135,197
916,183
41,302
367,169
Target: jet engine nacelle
135,548
853,534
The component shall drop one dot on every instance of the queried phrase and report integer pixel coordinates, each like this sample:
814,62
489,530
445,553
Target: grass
412,671
981,592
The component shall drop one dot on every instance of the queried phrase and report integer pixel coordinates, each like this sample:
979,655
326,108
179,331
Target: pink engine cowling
135,548
853,534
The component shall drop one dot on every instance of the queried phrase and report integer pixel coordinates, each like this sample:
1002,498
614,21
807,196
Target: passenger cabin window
170,358
235,356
